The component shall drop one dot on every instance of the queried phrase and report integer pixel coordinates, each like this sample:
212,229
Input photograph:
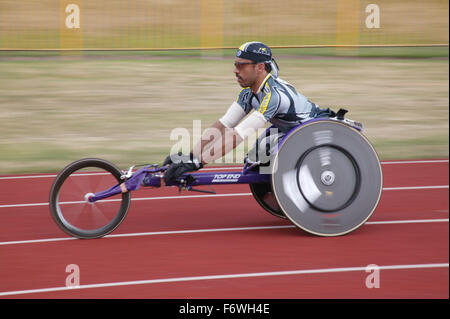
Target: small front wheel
69,199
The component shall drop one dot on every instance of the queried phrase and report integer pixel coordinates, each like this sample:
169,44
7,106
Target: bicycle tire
111,174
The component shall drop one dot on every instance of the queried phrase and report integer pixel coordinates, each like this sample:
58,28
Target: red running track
241,252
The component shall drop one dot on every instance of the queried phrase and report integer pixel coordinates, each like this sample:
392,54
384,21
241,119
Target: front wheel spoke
69,207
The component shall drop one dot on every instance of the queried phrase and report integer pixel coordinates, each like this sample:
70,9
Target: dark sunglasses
240,64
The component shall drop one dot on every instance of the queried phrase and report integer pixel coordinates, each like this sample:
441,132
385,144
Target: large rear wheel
327,178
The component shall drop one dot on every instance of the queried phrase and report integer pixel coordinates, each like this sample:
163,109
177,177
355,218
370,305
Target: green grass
123,106
433,146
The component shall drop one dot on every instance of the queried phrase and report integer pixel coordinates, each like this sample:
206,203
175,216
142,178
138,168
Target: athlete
264,98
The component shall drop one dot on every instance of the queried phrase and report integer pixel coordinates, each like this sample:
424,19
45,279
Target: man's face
246,72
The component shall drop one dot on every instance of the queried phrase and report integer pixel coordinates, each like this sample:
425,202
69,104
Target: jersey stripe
265,101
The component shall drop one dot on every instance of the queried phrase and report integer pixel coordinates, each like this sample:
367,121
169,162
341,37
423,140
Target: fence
177,24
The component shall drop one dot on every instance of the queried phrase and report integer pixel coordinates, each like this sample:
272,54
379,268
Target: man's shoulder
244,95
269,97
274,86
269,89
244,91
277,82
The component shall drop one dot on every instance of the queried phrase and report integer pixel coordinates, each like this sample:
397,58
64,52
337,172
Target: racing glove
180,164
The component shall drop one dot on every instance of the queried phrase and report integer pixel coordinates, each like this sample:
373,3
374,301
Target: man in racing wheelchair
270,98
326,177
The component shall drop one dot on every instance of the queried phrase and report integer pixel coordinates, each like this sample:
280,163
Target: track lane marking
133,199
208,196
226,276
210,230
415,162
222,168
404,188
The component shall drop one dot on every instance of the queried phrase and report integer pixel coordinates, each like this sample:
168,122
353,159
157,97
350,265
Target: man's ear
261,67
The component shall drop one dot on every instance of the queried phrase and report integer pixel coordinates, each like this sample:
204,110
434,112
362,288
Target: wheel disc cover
327,178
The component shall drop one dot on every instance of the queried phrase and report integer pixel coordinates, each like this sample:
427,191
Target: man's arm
208,137
224,140
218,140
212,140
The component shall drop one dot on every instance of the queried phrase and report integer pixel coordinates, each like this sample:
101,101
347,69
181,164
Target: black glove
180,164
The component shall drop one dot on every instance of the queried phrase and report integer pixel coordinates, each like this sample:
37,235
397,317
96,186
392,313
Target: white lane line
413,187
170,232
227,276
410,221
48,176
193,231
216,169
415,162
133,199
207,196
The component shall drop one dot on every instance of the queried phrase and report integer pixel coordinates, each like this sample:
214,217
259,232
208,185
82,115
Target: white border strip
413,187
133,199
207,196
221,168
226,276
210,230
414,162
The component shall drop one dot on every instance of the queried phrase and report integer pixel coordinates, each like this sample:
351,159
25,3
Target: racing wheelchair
325,178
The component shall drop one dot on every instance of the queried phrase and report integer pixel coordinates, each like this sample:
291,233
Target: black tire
69,207
263,194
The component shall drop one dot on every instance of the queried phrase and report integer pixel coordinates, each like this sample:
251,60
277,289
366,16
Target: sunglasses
239,65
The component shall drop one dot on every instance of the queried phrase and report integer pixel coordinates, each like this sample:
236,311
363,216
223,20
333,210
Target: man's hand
180,164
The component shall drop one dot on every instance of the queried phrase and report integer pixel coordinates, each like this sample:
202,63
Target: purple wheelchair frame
151,175
153,178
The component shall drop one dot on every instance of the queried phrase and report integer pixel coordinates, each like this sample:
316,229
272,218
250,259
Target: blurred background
112,79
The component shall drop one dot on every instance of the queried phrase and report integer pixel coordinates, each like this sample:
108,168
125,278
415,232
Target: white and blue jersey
279,103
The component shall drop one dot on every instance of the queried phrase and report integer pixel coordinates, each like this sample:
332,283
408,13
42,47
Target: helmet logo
262,51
